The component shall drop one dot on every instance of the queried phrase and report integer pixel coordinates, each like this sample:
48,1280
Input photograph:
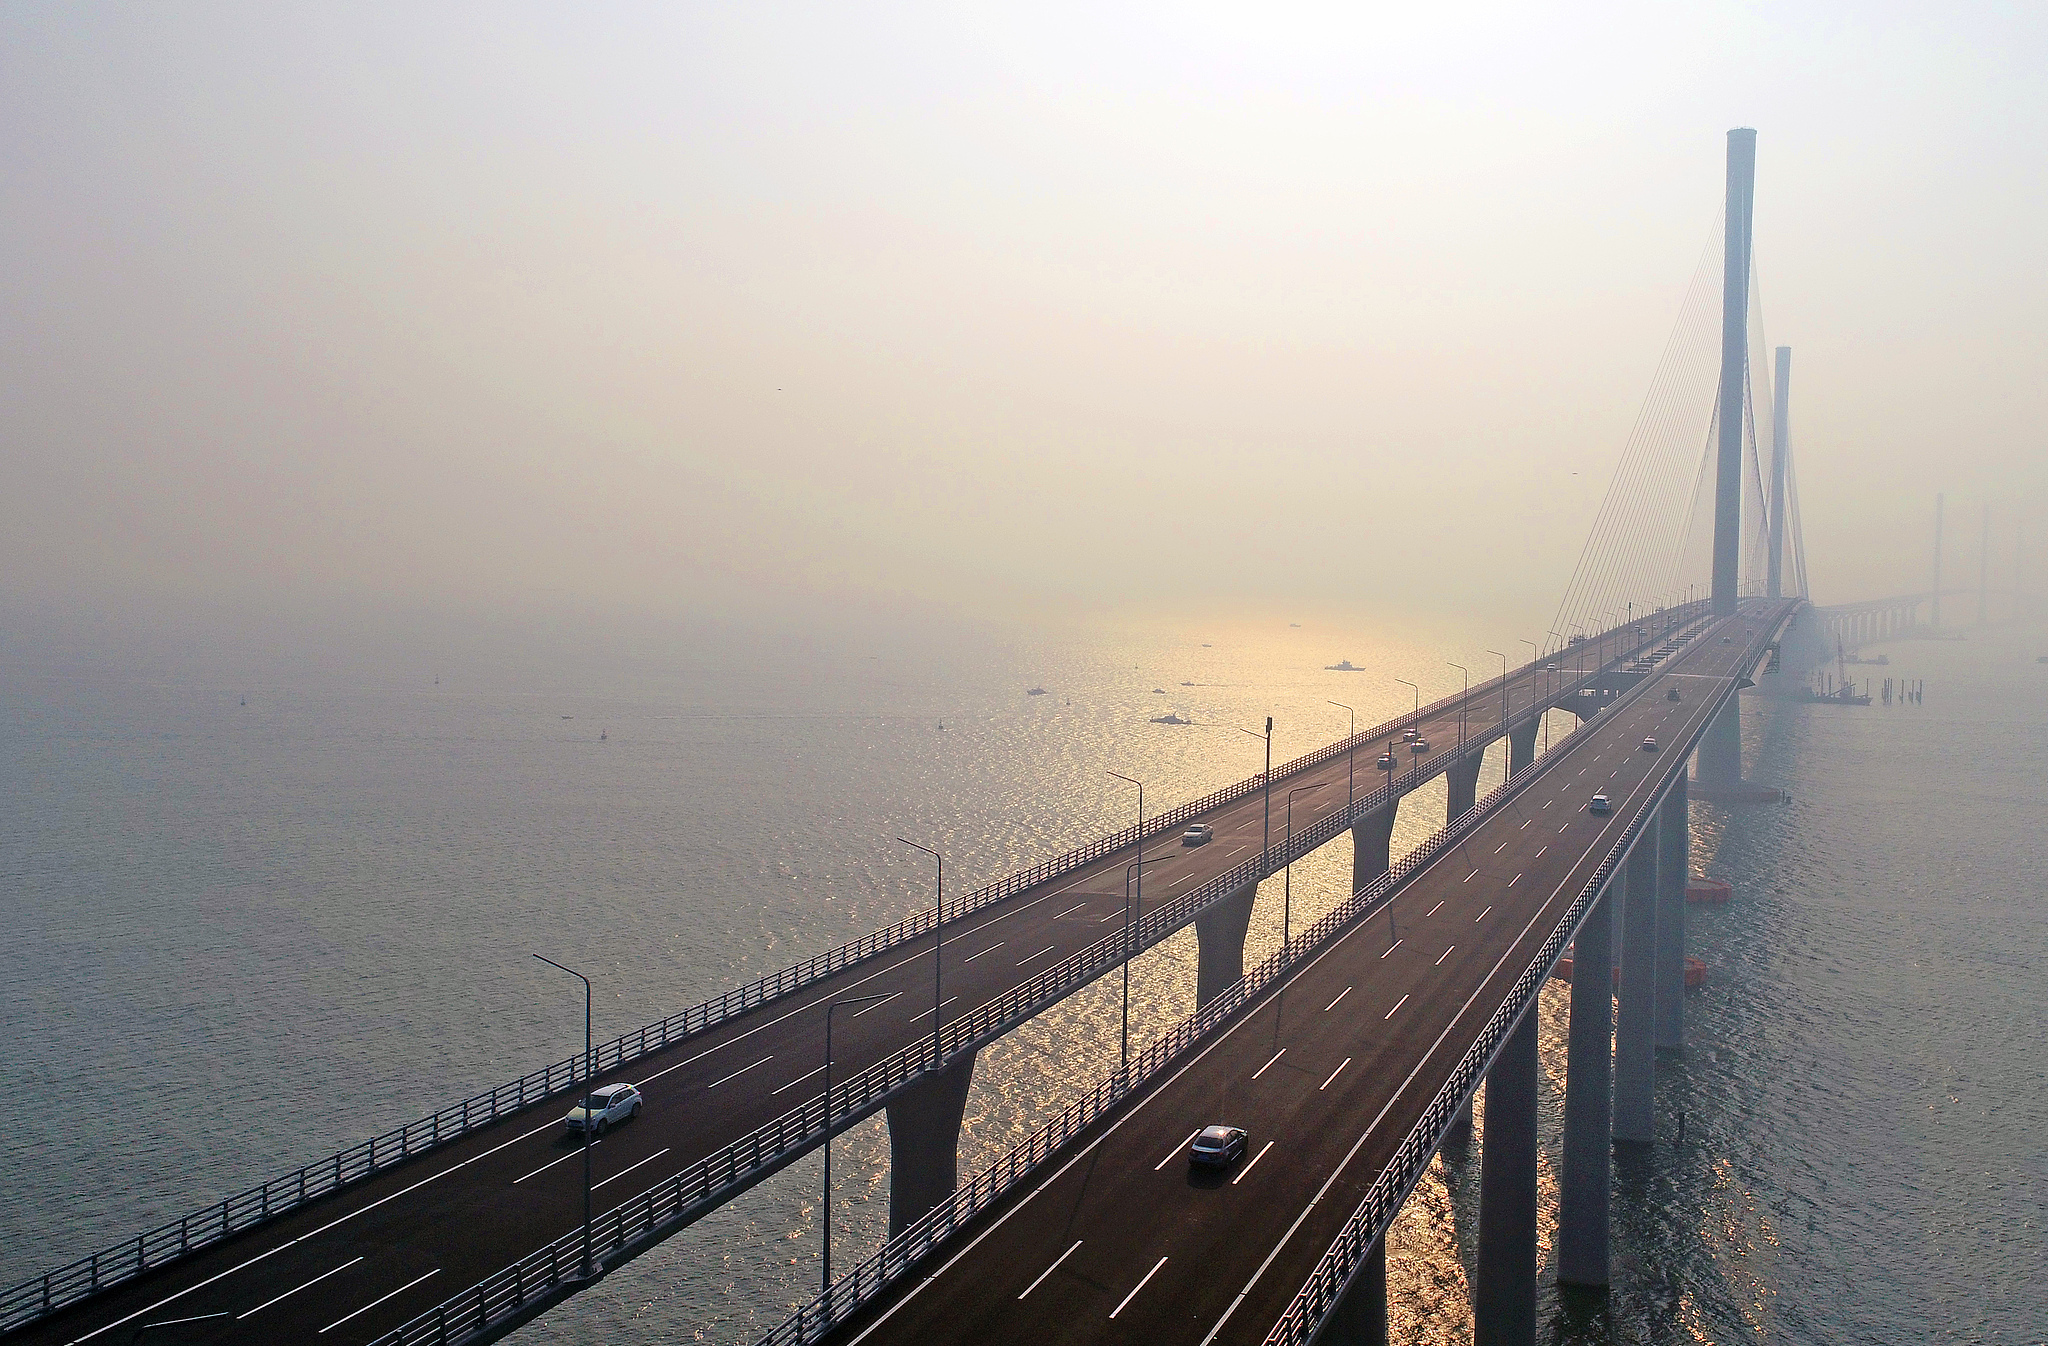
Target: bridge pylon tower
1734,367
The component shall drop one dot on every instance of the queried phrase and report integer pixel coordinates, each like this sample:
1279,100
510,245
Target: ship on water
1342,666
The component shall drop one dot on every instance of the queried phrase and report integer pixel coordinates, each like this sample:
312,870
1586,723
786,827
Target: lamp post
1351,765
1287,885
1464,697
1535,694
825,1206
938,948
1414,721
586,1105
1508,767
1134,868
1266,827
1130,780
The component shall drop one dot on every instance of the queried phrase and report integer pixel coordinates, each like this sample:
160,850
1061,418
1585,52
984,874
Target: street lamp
939,948
1350,766
1462,699
825,1206
1415,722
1535,692
1134,868
586,1106
1287,885
1266,828
1508,769
1129,780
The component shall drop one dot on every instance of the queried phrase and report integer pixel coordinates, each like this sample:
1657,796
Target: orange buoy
1708,890
1695,972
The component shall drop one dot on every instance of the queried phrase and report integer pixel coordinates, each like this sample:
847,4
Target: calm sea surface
248,924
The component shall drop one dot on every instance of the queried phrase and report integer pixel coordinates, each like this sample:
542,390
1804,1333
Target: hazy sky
657,309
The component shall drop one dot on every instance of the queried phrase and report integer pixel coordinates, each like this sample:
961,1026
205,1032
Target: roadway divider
80,1280
544,1277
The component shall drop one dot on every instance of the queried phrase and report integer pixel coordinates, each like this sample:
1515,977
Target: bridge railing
79,1280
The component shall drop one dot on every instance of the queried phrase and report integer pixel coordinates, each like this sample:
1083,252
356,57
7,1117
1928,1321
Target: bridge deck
350,1267
1125,1242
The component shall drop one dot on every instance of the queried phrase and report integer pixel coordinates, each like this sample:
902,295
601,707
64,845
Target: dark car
1671,695
1217,1146
1386,761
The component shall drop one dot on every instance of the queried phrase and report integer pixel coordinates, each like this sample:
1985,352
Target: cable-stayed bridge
1356,1048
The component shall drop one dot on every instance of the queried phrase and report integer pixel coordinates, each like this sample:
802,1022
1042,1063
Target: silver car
1217,1146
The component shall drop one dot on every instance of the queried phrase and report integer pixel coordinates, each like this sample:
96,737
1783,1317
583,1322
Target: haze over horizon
338,318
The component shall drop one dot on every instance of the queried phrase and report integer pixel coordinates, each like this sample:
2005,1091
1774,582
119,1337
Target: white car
1600,804
1200,834
605,1105
1419,746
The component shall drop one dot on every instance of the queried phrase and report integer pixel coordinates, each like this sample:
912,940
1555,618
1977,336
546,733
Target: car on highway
1419,746
1200,834
603,1107
1727,640
1217,1146
1600,804
1671,695
1649,745
1386,761
1411,734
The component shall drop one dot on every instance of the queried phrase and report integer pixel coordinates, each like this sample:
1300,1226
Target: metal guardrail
66,1285
644,1220
1367,1224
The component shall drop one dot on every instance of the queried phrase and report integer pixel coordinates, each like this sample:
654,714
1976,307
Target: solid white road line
990,949
1269,1065
295,1289
762,1062
630,1167
1049,1270
375,1302
552,1162
1397,1004
1445,954
435,1177
1178,1150
1254,1164
1395,945
1334,1074
799,1080
1139,1286
1040,954
1333,1004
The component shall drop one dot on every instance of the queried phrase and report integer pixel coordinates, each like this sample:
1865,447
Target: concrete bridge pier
1522,746
1635,1032
1462,776
1586,1181
1359,1318
1219,941
1674,863
1372,839
1504,1297
924,1141
1718,765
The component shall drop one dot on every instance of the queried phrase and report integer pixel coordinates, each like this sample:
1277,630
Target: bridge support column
1582,1194
1372,840
1522,746
1219,940
1635,1033
1504,1300
1674,863
1360,1316
1462,776
1719,763
924,1141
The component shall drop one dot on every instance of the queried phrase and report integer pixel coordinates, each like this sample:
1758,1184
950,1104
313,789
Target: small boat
1190,684
1342,666
602,734
1159,691
1035,691
1295,625
245,700
1170,718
